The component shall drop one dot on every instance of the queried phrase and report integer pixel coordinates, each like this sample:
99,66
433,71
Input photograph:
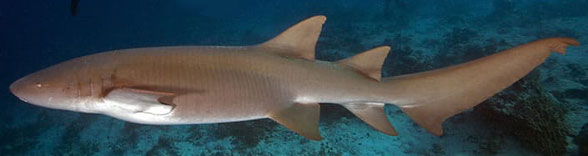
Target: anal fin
374,115
301,118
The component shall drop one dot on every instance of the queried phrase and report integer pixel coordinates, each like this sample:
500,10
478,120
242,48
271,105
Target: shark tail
430,97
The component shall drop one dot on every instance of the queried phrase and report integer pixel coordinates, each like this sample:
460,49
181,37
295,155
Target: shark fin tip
374,115
368,62
300,118
298,40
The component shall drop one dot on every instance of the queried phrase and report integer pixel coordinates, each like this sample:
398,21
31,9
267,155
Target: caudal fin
431,97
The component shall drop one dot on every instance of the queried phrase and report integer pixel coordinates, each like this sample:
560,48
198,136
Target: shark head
56,87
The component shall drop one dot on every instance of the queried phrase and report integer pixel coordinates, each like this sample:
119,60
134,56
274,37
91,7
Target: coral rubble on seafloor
582,140
528,112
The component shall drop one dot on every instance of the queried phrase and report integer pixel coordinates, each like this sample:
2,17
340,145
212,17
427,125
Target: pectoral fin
301,118
135,100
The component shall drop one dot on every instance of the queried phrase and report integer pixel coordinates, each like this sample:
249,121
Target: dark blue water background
35,34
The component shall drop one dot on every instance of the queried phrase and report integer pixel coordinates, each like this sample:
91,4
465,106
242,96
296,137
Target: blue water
424,35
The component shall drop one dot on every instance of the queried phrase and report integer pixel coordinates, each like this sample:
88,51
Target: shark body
278,79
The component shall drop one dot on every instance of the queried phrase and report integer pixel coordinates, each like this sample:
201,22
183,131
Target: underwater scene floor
543,114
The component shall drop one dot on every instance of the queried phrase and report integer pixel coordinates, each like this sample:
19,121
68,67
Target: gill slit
91,88
79,88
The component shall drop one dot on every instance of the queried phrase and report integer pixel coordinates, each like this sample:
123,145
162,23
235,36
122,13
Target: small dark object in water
73,7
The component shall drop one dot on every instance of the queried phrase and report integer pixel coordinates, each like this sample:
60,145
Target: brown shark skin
227,83
278,80
444,92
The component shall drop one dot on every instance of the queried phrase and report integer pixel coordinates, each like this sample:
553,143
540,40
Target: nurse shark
278,79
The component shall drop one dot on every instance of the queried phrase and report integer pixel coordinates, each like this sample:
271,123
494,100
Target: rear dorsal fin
368,62
298,40
301,118
374,115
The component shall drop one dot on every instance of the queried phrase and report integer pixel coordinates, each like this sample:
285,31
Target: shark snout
18,89
31,90
45,90
12,87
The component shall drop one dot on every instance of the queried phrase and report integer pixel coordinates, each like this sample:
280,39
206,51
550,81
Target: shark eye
39,85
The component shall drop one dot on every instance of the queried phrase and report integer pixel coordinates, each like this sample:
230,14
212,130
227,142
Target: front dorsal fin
374,115
298,40
368,62
301,118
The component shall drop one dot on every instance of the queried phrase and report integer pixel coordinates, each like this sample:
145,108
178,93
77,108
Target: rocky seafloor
543,114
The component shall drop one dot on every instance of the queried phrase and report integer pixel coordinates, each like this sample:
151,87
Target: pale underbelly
173,119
